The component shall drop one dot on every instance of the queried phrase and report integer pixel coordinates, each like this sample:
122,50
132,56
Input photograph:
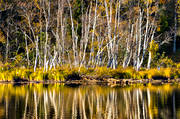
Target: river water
57,101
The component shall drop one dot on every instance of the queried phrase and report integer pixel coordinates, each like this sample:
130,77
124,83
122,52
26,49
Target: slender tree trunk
47,18
109,41
27,50
37,54
139,40
86,35
7,46
57,32
93,35
149,60
74,38
62,32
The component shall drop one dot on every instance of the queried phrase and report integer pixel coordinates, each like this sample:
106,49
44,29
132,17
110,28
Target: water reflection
34,101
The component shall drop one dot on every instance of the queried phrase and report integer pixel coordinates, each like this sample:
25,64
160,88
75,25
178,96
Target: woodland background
89,33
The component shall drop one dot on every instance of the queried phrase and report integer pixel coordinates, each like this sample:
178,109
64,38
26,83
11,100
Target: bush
121,75
73,76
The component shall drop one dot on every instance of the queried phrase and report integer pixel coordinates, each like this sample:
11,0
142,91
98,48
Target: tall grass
67,74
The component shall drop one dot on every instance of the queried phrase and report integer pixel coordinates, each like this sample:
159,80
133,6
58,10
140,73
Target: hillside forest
89,33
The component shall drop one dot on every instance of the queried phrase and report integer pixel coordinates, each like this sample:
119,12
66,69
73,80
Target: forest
133,38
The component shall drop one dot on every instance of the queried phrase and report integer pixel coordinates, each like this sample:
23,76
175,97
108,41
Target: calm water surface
56,101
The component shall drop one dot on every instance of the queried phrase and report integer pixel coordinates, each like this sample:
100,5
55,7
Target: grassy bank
68,74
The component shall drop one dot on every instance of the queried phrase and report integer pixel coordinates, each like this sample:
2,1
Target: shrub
121,75
73,75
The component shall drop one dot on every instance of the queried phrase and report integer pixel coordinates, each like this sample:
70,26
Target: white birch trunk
27,50
93,35
7,46
74,38
37,54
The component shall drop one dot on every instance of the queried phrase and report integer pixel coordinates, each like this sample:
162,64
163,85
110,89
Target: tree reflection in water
88,102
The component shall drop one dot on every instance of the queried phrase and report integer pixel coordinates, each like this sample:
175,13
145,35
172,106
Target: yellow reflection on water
89,102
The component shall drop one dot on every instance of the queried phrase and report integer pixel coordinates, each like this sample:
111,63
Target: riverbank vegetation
70,39
66,73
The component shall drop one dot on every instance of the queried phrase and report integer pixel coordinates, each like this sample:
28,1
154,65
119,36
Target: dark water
57,101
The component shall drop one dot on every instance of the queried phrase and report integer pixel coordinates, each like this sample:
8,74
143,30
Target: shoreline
107,82
99,75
